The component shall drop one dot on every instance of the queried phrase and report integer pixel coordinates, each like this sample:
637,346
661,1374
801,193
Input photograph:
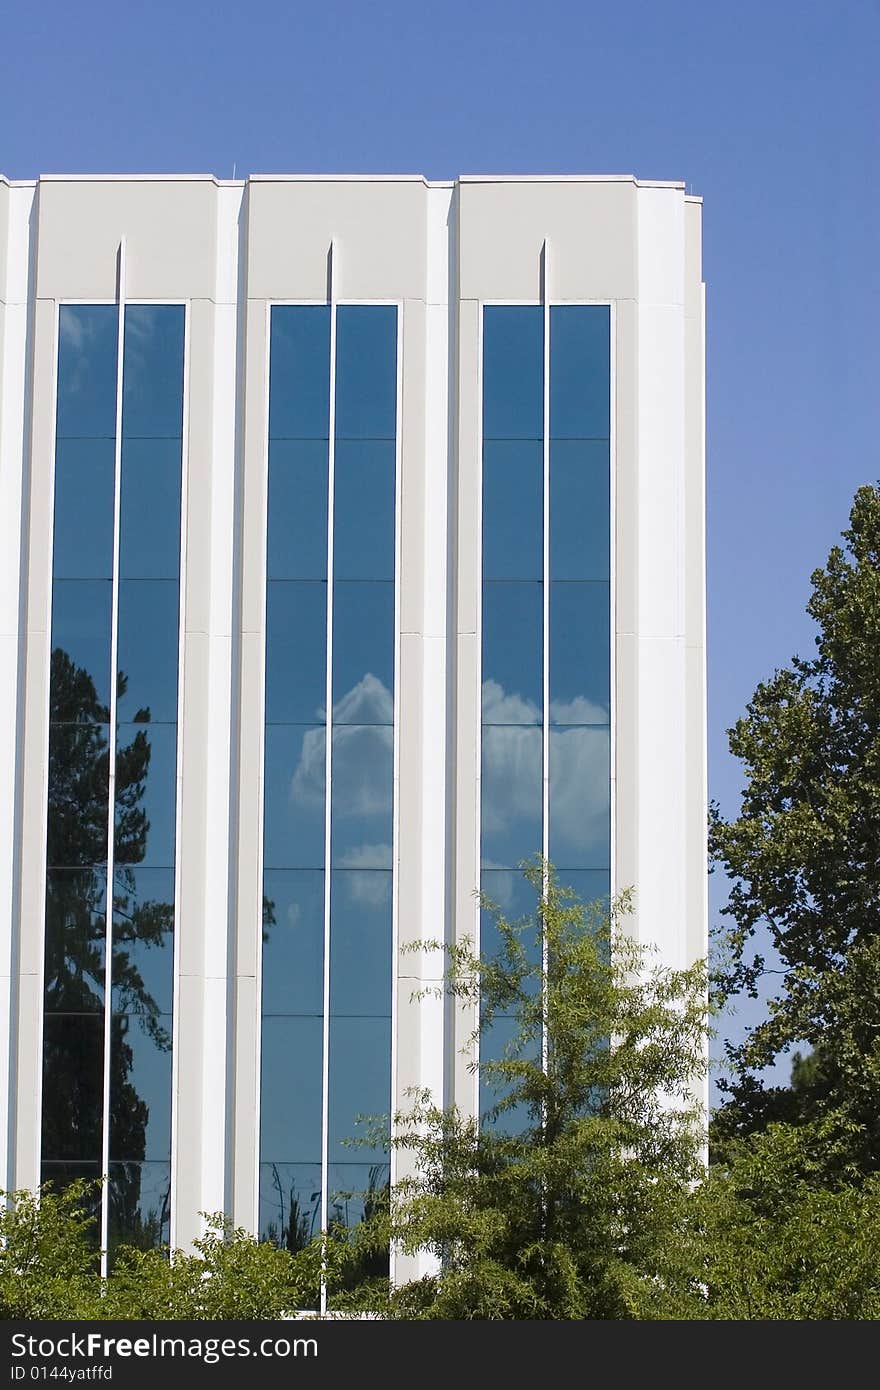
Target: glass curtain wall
546,645
109,975
327,904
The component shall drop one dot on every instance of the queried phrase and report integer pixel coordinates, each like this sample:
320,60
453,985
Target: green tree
566,1198
803,856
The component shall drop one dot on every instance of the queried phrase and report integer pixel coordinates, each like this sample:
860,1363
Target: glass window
299,372
78,795
140,1204
73,1072
140,1087
149,536
296,651
518,902
87,339
592,886
143,941
81,629
148,646
291,1088
76,908
580,371
293,941
513,516
294,788
363,653
498,1043
152,372
84,481
580,773
360,1085
290,1203
362,801
513,372
297,544
363,509
512,779
513,663
355,1190
360,942
146,794
366,371
580,527
580,653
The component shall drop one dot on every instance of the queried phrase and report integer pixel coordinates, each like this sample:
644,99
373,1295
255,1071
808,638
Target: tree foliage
803,856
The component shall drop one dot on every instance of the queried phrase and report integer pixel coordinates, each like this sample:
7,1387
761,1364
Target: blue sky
768,110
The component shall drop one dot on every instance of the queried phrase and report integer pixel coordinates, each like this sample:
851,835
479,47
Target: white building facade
384,500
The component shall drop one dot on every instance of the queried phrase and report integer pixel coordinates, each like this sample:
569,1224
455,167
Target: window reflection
360,1085
363,509
366,371
499,1041
81,630
356,1192
363,788
293,834
296,651
146,792
87,338
580,509
140,1086
290,1204
290,1094
512,776
580,798
299,371
513,503
580,653
78,792
152,372
360,942
297,523
148,642
363,653
293,942
513,663
580,371
149,522
83,528
76,908
139,1195
513,372
73,1075
143,941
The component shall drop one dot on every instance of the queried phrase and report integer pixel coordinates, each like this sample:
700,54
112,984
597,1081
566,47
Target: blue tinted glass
81,630
143,941
363,653
580,653
592,886
495,1040
290,1203
580,371
140,1087
299,372
76,907
360,942
146,793
297,547
366,371
87,371
513,660
354,1190
296,651
290,1090
152,372
363,767
139,1196
580,509
517,901
148,644
363,509
293,834
78,794
580,780
149,538
360,1084
513,372
293,941
73,1088
84,482
512,777
513,509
